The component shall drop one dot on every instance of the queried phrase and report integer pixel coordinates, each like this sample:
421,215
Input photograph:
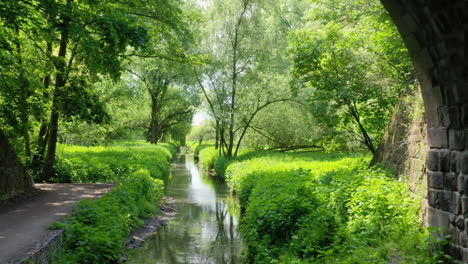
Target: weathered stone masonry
434,31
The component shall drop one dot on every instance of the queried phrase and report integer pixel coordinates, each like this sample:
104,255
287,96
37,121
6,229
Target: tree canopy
283,74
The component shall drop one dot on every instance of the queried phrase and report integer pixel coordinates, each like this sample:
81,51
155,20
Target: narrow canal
205,227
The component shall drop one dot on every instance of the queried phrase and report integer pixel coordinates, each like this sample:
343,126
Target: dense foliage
110,164
326,208
274,75
291,74
98,229
64,71
352,59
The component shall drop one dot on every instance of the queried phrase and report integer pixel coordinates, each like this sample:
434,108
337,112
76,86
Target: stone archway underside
434,31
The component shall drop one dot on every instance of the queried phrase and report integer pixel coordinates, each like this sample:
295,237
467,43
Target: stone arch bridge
434,32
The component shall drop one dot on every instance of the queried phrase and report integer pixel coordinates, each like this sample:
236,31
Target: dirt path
23,226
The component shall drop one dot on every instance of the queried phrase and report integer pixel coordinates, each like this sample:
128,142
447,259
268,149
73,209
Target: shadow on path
23,226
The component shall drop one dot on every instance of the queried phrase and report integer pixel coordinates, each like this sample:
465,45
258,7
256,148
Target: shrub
207,157
220,165
108,164
197,148
97,231
324,208
284,213
379,208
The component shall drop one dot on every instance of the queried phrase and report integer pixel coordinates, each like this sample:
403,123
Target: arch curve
433,31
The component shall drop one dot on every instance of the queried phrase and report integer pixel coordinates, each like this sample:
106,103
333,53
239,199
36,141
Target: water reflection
205,229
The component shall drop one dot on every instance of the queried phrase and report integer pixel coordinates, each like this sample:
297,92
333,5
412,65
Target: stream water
205,227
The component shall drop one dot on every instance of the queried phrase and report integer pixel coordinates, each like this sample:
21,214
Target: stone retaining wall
404,147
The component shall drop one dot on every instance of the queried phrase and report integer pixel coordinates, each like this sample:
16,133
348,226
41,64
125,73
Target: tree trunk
48,169
367,139
154,128
38,157
27,147
217,135
24,92
153,133
37,160
60,81
14,180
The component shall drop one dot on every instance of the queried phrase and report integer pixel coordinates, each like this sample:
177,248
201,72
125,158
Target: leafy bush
380,207
207,157
196,147
220,165
97,231
325,208
109,164
284,213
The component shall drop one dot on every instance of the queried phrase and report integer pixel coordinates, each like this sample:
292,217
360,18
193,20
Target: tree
202,133
171,105
91,38
353,89
287,126
243,74
21,68
77,43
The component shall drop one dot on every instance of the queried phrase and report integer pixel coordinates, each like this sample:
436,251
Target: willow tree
171,102
243,74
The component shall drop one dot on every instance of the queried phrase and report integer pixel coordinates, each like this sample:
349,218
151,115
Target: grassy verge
326,208
80,164
209,159
196,147
98,229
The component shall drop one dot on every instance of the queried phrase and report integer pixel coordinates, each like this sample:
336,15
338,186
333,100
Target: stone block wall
434,32
404,147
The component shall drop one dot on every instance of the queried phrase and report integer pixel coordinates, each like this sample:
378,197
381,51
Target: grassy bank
79,164
325,208
98,229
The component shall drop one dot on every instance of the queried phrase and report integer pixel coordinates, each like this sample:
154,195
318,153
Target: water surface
205,227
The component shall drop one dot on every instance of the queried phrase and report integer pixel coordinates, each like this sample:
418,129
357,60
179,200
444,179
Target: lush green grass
325,208
97,230
109,164
209,159
197,147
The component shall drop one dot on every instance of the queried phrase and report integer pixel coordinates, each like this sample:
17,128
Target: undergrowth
80,164
98,229
326,208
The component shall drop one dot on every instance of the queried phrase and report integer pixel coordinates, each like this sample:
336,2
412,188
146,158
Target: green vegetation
68,75
197,147
325,208
295,74
208,156
97,230
274,75
110,164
